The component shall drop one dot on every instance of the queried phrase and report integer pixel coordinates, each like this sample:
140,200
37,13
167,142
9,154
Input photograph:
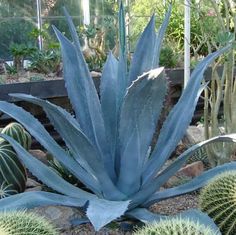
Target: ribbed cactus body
218,200
18,133
199,155
175,226
22,223
12,172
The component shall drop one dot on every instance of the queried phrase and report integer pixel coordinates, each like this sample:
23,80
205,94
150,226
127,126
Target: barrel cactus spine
218,200
175,226
21,222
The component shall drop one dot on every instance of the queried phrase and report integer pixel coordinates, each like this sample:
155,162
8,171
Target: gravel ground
176,205
167,207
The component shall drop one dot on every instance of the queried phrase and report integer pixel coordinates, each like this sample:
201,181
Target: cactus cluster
218,200
175,226
22,223
12,171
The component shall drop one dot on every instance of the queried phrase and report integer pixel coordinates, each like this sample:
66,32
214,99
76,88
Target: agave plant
109,137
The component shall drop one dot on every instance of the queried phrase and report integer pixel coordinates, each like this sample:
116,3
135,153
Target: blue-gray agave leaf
144,215
47,175
122,63
110,211
111,158
34,199
160,36
37,130
194,184
179,118
110,109
139,114
84,98
80,146
147,53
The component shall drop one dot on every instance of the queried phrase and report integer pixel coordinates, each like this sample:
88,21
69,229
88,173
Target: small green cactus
199,155
22,223
218,200
175,226
12,172
18,133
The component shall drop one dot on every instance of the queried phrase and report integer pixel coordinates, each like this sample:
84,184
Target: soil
28,77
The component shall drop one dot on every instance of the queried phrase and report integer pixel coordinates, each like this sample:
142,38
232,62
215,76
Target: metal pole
127,3
86,12
187,39
39,24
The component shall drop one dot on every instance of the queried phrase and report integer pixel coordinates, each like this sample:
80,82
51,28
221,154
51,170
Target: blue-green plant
109,138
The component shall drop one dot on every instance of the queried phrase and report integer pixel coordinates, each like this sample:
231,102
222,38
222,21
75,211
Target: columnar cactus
22,223
175,226
218,200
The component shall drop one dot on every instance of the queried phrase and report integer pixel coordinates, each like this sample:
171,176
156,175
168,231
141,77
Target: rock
192,170
40,155
34,189
32,183
95,74
194,134
60,216
176,180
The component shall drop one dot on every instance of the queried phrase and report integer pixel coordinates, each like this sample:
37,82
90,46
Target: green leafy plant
49,42
11,69
217,199
61,170
167,57
46,61
110,138
19,53
2,79
21,223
